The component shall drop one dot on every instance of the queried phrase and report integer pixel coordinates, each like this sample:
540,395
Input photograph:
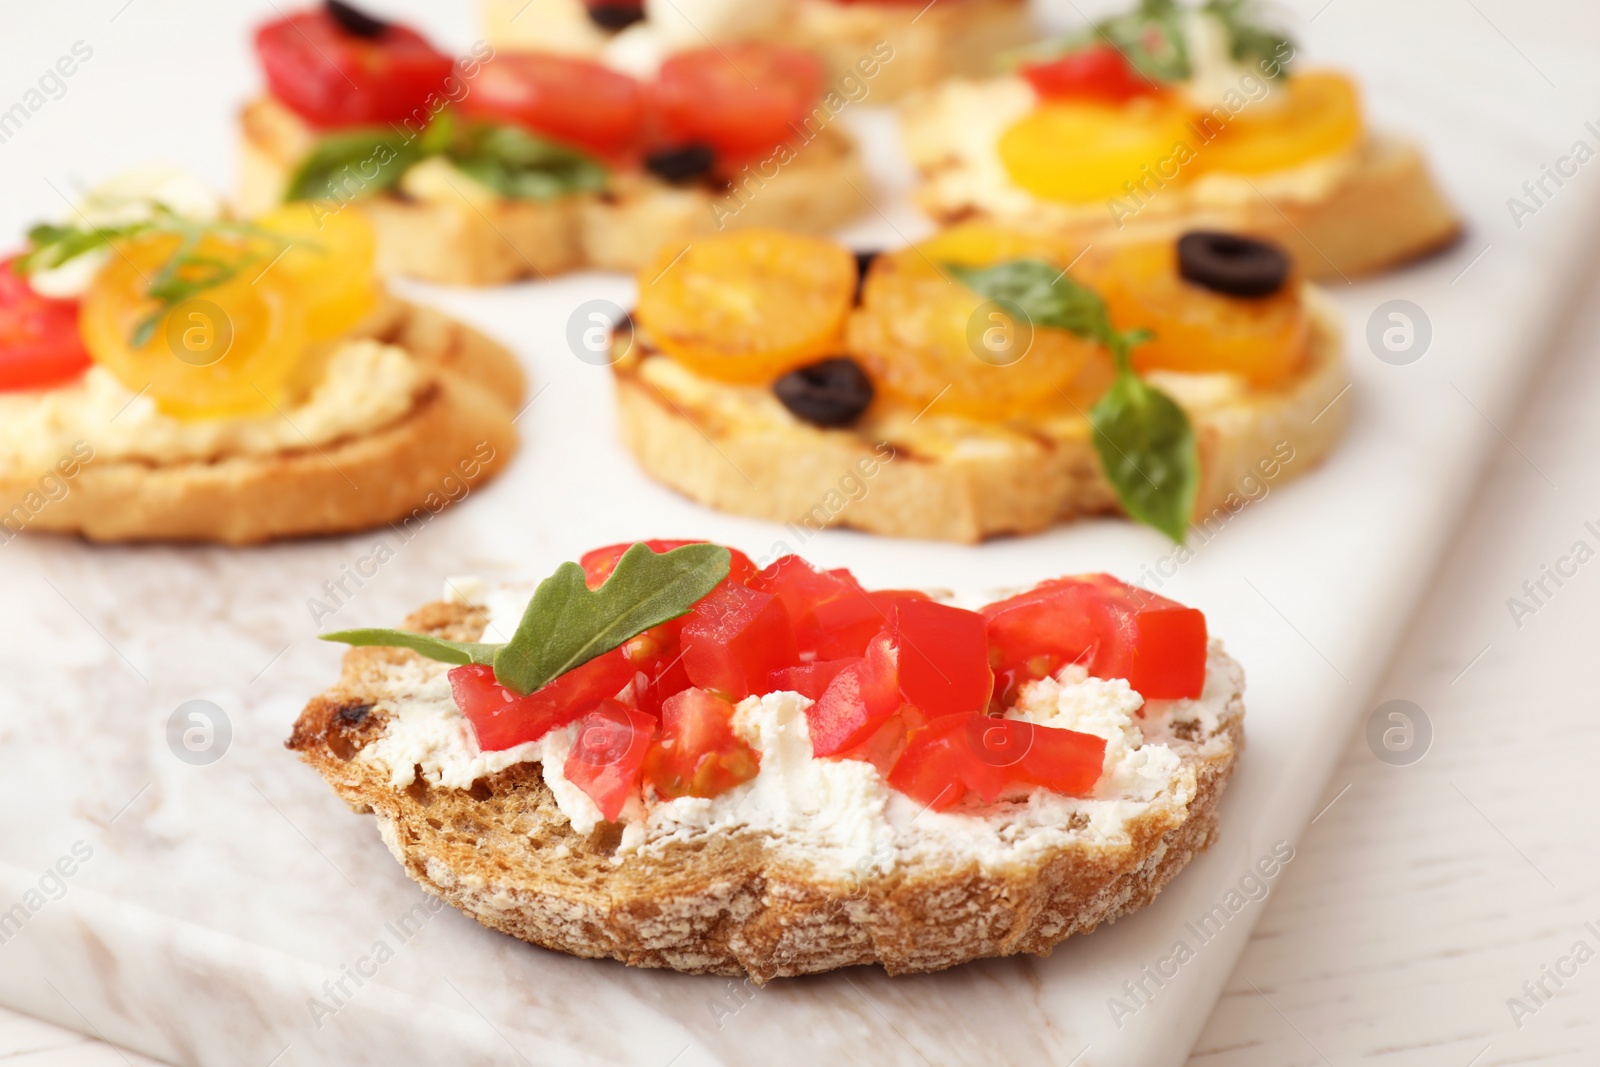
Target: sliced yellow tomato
1080,151
330,263
1263,340
748,306
227,350
1320,117
923,338
972,244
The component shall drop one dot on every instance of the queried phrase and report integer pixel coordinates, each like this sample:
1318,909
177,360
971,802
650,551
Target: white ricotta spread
365,386
840,814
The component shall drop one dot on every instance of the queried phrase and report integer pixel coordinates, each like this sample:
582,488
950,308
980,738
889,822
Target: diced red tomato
990,757
833,616
883,747
657,656
697,753
577,101
501,719
742,99
809,679
39,340
333,78
598,564
1098,72
858,700
944,657
1114,629
734,638
608,753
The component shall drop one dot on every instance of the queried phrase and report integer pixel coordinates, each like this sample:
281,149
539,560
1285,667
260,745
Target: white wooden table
1424,896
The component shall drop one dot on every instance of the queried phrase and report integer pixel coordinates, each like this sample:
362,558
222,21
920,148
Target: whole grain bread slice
733,903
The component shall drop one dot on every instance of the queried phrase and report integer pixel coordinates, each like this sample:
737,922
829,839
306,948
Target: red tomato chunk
944,658
735,638
698,754
608,754
502,719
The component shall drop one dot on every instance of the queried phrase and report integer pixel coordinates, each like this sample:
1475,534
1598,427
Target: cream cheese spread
839,814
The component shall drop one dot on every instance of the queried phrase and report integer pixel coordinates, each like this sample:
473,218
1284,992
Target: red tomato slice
333,78
992,757
39,340
858,700
741,99
833,616
944,657
598,564
608,754
698,754
1099,72
734,638
1114,629
501,719
574,100
809,680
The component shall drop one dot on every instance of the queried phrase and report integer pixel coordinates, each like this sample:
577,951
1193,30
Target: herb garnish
1145,441
188,271
567,624
508,159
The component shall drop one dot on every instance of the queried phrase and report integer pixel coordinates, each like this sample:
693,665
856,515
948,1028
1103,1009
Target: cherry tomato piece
734,638
1098,72
333,78
501,719
742,99
608,754
577,101
697,753
39,340
943,657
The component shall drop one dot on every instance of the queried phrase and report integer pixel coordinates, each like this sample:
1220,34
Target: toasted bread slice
457,232
1365,211
456,432
930,42
736,448
732,901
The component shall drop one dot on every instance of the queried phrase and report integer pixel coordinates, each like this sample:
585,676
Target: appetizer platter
508,164
225,905
183,376
1188,115
926,42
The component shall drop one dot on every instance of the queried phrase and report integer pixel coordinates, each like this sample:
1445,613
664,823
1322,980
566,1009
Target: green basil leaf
523,165
1041,291
457,652
1147,448
353,164
1151,38
567,624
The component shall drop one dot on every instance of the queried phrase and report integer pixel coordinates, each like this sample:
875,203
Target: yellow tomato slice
329,263
748,306
1320,116
1263,340
227,350
924,339
1080,152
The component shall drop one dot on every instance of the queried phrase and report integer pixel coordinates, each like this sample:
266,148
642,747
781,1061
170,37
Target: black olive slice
615,16
863,264
354,21
1233,265
833,392
682,163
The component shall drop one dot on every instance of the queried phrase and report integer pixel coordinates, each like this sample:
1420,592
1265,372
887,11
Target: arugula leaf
1042,292
50,245
567,624
353,164
523,165
1147,449
1146,444
1152,39
1253,44
457,652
